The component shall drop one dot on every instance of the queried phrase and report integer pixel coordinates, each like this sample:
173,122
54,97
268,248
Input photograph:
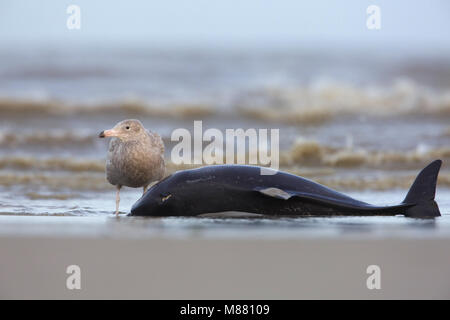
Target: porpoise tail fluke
421,194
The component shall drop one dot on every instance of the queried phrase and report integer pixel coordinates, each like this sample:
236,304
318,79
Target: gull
135,156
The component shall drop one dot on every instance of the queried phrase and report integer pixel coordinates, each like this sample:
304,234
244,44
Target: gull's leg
117,199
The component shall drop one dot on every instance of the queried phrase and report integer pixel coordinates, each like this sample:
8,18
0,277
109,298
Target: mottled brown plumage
135,156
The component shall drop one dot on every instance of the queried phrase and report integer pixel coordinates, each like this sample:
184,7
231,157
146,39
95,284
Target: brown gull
135,156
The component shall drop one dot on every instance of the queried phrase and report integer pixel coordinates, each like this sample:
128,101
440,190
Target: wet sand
162,268
129,258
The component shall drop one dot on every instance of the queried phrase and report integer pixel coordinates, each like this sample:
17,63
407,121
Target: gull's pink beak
108,133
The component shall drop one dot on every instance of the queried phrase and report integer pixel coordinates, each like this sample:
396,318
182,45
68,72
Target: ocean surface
361,122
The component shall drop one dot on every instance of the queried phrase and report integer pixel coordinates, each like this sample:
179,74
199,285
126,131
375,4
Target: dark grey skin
224,188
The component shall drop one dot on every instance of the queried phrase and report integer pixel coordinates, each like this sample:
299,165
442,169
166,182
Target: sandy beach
124,260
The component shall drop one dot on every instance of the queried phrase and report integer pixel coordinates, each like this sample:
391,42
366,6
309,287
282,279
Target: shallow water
93,217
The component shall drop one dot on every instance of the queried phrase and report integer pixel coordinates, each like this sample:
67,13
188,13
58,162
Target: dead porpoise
222,188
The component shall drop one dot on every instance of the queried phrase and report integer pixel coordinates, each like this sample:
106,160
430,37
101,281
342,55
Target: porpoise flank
222,188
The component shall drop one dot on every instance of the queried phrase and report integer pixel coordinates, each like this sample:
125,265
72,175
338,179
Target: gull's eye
127,127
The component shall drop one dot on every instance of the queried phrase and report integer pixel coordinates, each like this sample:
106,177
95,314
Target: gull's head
124,130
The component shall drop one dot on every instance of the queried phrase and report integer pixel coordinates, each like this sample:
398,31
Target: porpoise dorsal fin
276,193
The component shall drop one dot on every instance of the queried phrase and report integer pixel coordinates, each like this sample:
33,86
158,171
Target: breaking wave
311,104
62,164
61,181
46,138
13,106
54,181
346,168
310,152
303,153
322,101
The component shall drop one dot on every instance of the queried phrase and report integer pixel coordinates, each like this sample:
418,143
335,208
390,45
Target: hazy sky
416,23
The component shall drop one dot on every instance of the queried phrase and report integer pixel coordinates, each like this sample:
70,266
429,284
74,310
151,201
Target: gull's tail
421,194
